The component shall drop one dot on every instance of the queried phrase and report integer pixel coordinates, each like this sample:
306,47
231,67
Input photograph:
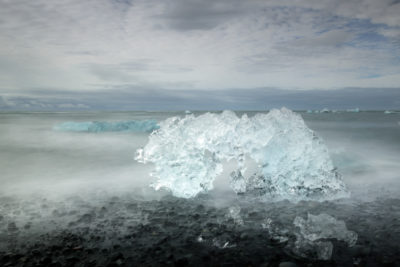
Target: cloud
378,12
48,102
200,15
331,38
3,103
183,45
72,106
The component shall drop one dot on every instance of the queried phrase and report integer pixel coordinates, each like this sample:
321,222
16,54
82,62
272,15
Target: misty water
83,190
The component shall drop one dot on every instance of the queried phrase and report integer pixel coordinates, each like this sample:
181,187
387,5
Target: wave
102,126
277,156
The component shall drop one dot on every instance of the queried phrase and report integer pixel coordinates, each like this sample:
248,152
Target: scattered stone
86,218
182,262
287,264
12,227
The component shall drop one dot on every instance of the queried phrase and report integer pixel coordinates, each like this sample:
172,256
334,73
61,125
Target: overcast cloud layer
113,54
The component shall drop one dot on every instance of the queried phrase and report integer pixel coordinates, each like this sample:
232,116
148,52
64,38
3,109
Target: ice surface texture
276,156
101,126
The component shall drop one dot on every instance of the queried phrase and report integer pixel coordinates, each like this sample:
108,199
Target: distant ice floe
356,110
102,126
324,110
391,112
276,156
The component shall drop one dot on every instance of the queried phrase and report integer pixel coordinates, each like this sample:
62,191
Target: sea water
365,148
54,180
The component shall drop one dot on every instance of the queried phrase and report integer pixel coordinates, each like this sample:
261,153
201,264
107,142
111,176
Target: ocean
73,194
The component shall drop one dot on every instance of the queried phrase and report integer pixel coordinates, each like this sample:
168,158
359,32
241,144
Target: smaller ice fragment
200,239
324,226
311,239
234,213
222,244
238,182
323,249
277,233
356,110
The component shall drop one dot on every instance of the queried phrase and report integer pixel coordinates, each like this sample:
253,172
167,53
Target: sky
199,54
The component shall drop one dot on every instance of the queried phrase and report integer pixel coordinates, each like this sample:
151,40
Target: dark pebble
46,261
287,264
359,250
117,256
181,262
55,264
92,263
244,236
86,218
72,260
36,253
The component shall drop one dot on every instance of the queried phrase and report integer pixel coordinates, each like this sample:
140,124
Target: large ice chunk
277,156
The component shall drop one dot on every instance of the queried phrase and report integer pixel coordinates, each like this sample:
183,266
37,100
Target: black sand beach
123,231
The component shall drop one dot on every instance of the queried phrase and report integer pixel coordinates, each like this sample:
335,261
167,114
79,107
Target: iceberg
101,126
312,239
276,156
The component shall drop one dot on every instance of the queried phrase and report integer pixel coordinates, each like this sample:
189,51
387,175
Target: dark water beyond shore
79,199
